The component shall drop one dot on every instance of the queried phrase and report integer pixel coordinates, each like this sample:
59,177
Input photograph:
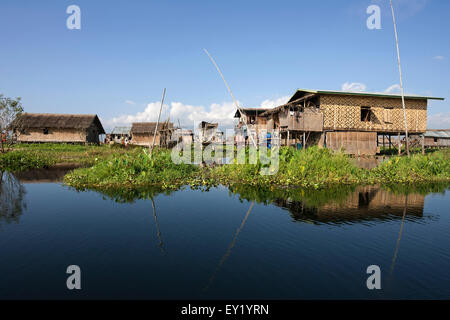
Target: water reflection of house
349,120
68,128
47,175
143,132
365,204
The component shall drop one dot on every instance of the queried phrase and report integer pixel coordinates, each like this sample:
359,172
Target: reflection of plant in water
312,198
420,188
129,195
12,194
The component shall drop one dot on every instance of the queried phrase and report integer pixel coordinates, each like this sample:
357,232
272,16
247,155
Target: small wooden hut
142,133
437,138
251,119
207,132
118,134
58,128
348,120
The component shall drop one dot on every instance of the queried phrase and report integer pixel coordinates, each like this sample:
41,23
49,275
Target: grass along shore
108,167
311,168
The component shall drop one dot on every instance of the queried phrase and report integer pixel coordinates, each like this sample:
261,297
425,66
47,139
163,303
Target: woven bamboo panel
344,113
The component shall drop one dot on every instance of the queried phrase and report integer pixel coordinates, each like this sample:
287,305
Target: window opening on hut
365,114
45,130
435,139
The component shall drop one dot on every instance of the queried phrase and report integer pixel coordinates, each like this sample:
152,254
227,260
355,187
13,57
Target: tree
10,111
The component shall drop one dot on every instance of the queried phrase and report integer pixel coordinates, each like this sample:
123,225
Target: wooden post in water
157,123
399,145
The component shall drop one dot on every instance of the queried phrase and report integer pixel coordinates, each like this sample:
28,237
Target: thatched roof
149,127
58,121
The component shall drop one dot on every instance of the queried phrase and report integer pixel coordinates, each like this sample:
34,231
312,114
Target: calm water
193,244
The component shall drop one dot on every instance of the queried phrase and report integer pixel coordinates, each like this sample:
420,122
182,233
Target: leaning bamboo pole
232,96
157,123
401,80
230,247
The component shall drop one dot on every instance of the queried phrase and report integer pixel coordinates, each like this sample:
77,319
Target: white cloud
223,113
187,114
438,58
439,120
130,102
354,86
393,88
274,103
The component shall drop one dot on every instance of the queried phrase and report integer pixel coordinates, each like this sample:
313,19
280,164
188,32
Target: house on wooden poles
207,132
143,132
348,120
251,123
58,128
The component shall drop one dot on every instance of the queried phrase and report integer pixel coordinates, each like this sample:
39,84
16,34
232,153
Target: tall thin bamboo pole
157,123
232,95
401,81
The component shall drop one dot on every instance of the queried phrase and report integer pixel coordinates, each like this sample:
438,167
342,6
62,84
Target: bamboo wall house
348,120
58,128
142,133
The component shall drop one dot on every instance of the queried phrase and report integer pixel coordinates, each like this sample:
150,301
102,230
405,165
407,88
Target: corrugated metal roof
373,94
438,134
121,130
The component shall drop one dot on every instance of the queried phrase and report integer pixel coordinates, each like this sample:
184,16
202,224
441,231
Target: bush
24,160
133,170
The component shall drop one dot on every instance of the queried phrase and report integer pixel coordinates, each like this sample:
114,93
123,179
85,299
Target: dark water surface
219,244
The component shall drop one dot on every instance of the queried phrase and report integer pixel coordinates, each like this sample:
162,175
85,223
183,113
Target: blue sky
127,51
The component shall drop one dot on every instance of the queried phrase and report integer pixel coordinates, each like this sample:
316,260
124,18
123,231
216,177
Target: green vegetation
30,156
22,160
310,168
418,168
109,167
134,169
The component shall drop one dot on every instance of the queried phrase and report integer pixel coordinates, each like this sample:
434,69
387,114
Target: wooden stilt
304,139
399,145
423,143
